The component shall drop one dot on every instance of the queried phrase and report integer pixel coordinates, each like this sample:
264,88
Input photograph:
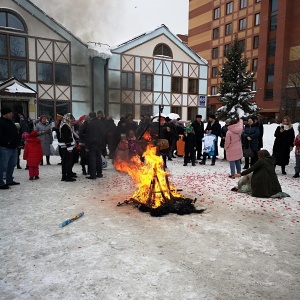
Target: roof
47,20
13,86
160,30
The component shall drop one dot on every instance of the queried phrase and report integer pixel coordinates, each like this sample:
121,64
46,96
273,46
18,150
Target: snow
17,88
99,50
240,248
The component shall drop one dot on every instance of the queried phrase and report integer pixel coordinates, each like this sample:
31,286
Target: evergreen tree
235,89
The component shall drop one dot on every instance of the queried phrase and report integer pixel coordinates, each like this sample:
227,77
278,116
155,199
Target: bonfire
154,194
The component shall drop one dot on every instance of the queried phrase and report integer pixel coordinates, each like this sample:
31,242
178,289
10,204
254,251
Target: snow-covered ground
240,248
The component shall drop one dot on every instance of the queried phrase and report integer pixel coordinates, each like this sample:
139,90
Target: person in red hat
33,153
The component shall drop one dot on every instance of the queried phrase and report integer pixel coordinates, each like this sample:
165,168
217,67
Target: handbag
247,151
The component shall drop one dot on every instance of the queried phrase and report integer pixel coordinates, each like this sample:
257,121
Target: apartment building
268,31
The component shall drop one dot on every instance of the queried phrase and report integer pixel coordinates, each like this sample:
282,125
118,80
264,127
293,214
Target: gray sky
116,21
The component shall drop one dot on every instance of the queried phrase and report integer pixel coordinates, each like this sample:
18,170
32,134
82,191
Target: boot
283,170
41,163
48,160
296,175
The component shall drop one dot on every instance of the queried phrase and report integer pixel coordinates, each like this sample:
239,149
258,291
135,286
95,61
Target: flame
150,177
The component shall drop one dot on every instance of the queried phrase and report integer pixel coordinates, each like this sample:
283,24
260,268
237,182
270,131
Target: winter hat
198,116
25,135
212,116
59,116
228,121
42,116
189,129
5,111
253,118
33,133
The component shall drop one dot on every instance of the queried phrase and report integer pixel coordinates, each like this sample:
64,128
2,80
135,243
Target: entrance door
17,106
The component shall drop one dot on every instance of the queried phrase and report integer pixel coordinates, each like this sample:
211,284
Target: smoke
89,20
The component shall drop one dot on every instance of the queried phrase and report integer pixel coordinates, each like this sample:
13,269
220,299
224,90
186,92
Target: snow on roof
17,88
99,50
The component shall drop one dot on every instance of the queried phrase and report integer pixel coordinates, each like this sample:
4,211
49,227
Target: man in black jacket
9,142
94,143
67,144
198,126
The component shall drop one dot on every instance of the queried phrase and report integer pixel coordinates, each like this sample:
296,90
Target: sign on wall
202,100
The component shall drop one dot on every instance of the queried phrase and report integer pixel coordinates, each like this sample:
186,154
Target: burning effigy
154,194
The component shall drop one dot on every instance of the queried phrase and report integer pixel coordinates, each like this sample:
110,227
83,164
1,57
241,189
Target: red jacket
33,152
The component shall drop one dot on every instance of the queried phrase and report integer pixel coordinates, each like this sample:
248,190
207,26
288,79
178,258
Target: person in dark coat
83,153
9,142
261,132
264,181
161,130
113,137
213,127
250,139
94,143
284,143
190,146
67,144
198,126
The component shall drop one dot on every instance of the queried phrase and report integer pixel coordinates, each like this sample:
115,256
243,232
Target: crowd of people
93,137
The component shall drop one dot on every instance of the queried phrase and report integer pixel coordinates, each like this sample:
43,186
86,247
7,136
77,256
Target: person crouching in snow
189,146
233,146
33,153
264,181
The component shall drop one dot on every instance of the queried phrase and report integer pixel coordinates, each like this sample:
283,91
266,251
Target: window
256,19
226,49
228,29
217,13
243,3
193,86
215,52
274,5
176,85
242,45
215,33
269,93
273,22
214,72
242,24
127,79
12,20
147,109
253,85
229,8
62,74
146,82
162,50
272,47
126,109
13,56
270,73
254,64
255,42
214,90
45,72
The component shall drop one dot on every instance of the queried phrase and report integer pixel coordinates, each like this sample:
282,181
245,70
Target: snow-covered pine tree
235,88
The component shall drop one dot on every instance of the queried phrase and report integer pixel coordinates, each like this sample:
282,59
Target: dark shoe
84,172
185,165
201,163
170,158
74,174
100,176
63,178
296,175
70,179
36,177
48,164
31,178
41,163
231,176
14,183
234,189
19,167
90,177
193,164
283,173
59,163
4,187
212,164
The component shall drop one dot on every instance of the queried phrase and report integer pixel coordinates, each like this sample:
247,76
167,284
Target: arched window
13,46
162,50
12,20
